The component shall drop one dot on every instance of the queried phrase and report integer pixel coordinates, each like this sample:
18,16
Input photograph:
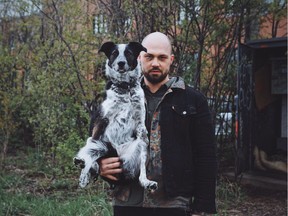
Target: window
188,10
100,24
19,8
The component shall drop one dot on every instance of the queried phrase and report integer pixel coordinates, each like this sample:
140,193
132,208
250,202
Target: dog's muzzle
122,67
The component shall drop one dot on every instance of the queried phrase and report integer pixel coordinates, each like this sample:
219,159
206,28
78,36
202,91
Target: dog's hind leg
146,183
87,159
85,175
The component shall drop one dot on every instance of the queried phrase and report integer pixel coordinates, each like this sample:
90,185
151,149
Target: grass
228,194
27,204
29,186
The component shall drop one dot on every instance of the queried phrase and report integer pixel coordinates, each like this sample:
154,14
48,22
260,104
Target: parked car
223,124
223,116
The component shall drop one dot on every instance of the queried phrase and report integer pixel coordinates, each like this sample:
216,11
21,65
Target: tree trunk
4,149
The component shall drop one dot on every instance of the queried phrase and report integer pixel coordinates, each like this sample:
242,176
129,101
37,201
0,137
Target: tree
277,11
55,53
51,47
11,99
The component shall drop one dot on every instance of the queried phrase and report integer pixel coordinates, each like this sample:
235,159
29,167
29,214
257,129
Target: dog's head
122,58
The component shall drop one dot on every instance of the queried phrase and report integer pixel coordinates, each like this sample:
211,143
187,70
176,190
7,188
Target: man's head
158,59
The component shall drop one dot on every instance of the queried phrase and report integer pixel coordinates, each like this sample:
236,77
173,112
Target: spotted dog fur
120,127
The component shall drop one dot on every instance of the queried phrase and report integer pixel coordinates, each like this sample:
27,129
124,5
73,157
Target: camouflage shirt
133,194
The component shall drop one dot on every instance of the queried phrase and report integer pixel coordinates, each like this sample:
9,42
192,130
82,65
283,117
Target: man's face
156,62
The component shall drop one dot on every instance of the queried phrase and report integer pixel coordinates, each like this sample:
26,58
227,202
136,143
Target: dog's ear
107,48
136,48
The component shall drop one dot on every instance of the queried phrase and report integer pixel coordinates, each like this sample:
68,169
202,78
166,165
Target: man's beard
155,78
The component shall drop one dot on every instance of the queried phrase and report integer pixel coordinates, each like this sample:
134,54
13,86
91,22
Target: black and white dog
120,126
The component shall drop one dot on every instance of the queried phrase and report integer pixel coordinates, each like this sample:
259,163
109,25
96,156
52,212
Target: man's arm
206,162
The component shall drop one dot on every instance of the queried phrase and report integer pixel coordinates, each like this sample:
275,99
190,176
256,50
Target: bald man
182,152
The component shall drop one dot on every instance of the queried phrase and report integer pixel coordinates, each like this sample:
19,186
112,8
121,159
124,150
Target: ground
233,199
260,202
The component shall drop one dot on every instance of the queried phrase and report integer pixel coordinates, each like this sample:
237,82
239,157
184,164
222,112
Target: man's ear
107,48
172,58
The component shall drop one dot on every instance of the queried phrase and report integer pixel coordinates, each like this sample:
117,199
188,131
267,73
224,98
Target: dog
120,126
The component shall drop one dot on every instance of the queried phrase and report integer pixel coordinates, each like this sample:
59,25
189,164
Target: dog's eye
115,52
127,53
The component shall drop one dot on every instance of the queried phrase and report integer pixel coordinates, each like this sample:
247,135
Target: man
182,152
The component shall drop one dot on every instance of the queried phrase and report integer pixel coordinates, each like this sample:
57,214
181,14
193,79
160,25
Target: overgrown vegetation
28,187
51,77
51,80
228,193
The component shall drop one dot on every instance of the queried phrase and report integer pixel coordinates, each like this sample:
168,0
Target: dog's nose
121,64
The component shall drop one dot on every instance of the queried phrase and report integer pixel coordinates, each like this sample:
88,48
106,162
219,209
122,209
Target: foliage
51,78
44,77
28,205
228,193
28,188
11,99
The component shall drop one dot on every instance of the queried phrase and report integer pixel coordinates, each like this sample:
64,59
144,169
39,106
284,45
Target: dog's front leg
146,183
139,115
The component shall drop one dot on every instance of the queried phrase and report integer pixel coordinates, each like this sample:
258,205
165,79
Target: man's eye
148,57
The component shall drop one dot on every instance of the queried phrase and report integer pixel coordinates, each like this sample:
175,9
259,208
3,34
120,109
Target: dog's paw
84,179
94,174
152,186
79,162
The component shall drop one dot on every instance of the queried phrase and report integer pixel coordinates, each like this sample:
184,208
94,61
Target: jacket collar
173,83
178,83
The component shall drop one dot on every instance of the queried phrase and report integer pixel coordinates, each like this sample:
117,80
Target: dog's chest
118,110
123,112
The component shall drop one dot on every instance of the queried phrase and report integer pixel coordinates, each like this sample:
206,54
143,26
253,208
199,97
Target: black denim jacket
188,147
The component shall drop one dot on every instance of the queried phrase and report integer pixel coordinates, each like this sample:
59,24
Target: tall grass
27,204
29,189
228,194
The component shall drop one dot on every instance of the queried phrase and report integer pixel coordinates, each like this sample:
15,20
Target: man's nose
155,62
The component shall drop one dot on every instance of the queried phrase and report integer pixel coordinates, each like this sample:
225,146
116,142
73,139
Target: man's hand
110,168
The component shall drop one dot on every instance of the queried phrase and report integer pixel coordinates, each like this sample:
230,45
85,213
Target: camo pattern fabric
158,198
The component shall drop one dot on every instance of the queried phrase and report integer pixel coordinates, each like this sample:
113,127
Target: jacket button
184,112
